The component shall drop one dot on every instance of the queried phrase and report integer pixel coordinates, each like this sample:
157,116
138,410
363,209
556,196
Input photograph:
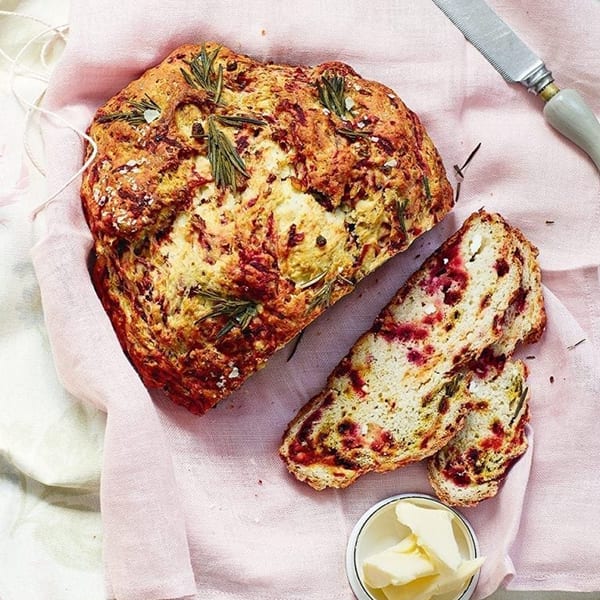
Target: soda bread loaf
231,202
402,392
472,465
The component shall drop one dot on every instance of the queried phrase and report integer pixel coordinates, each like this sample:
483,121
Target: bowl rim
352,572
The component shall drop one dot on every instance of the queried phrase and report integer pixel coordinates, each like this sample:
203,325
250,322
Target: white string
58,30
25,104
33,108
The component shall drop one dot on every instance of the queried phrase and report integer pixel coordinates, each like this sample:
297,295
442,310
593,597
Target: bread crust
205,273
402,392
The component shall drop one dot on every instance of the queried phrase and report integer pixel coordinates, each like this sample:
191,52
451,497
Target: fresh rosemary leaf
312,281
142,111
332,94
323,296
224,159
426,187
239,120
295,345
239,313
522,391
459,170
573,346
352,134
202,74
402,214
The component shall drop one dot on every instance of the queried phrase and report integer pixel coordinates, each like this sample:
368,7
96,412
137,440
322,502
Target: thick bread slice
400,393
472,465
525,320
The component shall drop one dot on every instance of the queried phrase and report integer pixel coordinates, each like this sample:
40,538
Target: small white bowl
379,529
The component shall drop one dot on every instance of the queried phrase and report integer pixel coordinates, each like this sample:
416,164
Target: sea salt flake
151,114
429,309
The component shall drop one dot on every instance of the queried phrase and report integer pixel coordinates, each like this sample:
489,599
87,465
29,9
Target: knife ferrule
540,79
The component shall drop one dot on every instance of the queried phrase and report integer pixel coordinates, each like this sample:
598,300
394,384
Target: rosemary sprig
142,111
323,296
239,312
225,161
427,188
202,74
401,204
353,134
332,94
522,395
460,170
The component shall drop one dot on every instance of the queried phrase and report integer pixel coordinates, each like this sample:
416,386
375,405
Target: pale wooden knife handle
568,113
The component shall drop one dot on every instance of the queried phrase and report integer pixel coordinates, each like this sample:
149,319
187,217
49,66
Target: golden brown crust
206,275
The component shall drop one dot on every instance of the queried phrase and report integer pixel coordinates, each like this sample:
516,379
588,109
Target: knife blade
564,109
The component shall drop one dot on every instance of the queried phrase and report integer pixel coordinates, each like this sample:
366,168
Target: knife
564,109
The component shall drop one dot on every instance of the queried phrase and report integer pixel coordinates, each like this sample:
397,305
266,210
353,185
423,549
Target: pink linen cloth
202,506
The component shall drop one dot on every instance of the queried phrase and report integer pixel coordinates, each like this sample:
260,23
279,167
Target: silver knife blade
500,45
565,110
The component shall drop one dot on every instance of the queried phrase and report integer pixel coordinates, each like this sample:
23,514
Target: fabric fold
203,505
133,432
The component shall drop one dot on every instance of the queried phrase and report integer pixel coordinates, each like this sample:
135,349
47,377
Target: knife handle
569,114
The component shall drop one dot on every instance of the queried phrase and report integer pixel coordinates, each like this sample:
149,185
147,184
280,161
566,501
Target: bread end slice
471,467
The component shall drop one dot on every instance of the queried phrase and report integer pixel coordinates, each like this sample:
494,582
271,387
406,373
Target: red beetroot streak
404,332
448,275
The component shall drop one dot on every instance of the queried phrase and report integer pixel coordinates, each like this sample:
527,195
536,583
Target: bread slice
472,465
401,393
525,320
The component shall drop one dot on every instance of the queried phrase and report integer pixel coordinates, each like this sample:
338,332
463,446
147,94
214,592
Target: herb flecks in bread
231,202
403,391
473,464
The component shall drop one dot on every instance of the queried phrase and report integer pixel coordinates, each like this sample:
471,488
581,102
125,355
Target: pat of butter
433,529
444,582
397,565
424,564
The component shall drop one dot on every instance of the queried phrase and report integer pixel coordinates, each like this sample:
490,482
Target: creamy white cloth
203,504
50,443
